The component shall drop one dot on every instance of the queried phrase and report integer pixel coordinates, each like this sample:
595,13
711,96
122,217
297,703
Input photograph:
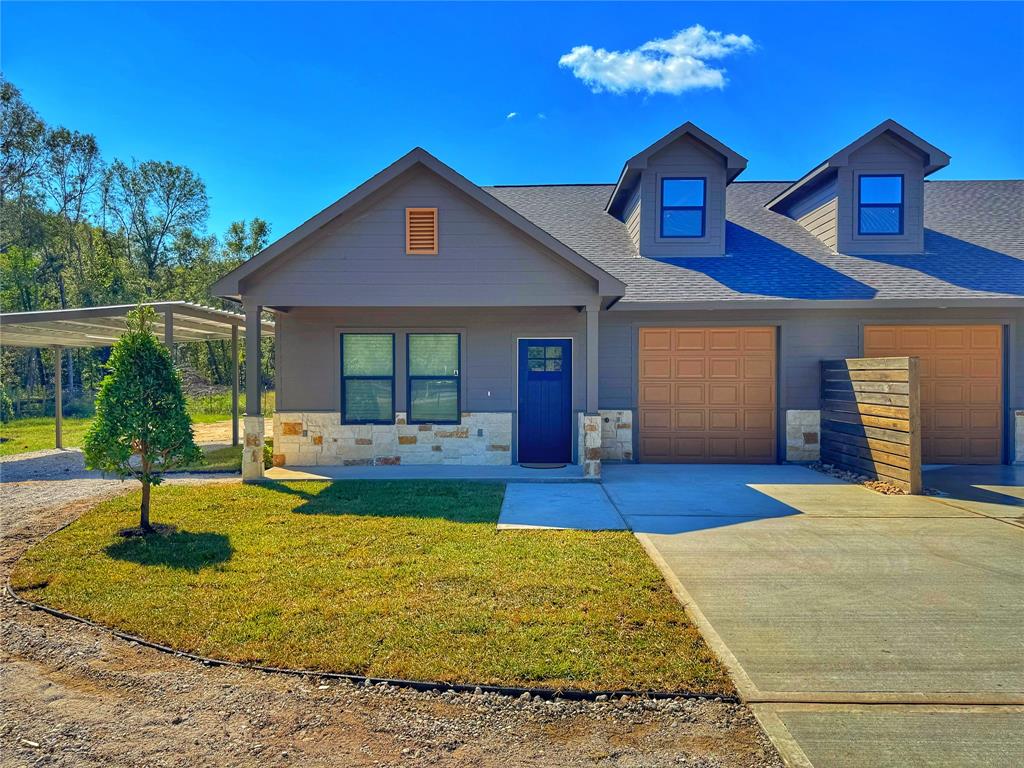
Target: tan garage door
707,395
961,373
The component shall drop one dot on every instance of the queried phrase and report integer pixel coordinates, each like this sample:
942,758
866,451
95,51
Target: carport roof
102,326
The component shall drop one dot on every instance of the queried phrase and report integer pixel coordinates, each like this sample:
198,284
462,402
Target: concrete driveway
866,630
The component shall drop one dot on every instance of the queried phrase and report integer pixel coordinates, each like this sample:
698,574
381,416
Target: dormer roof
932,157
630,175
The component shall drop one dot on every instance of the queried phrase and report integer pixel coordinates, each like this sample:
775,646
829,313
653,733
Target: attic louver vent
421,231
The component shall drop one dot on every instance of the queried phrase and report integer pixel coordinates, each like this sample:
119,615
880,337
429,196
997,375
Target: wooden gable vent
421,231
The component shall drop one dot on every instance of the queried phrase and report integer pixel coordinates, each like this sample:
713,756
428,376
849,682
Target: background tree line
77,230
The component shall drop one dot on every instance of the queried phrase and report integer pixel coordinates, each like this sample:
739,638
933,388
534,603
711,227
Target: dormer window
683,207
880,205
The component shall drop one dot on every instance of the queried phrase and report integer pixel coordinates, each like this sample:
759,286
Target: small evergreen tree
141,427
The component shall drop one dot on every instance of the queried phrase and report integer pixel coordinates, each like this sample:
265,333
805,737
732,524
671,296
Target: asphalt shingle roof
974,248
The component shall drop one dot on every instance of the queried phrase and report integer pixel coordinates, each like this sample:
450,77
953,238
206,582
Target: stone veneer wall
306,439
803,435
590,445
616,435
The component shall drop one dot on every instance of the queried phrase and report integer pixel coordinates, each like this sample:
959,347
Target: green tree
141,427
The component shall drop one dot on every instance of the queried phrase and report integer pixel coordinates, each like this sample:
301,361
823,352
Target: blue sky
283,108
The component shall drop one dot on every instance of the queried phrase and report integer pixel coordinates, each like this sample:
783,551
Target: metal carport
102,326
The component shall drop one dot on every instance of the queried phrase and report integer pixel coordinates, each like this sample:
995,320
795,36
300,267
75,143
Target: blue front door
545,401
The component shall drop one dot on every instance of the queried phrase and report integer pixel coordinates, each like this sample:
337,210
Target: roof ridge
566,184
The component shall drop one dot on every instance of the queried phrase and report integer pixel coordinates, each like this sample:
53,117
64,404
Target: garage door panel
724,368
689,420
689,367
656,340
724,340
656,367
728,419
723,394
655,419
688,340
722,389
960,370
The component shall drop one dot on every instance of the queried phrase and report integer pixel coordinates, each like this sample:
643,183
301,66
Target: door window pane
433,354
434,400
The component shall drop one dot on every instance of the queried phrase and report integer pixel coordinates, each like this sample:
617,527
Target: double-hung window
368,378
433,386
683,207
880,205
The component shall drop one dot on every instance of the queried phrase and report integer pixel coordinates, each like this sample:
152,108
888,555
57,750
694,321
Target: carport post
234,385
58,399
169,330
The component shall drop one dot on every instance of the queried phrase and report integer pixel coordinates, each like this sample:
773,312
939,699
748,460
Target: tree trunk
144,508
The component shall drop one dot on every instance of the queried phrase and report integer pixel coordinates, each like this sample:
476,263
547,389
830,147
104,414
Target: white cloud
673,65
541,116
511,115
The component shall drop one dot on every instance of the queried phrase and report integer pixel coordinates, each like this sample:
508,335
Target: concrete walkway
575,506
838,609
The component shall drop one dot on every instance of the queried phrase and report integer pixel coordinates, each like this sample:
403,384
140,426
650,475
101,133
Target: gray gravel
71,695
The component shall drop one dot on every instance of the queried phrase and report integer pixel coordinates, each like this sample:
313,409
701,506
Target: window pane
554,352
433,354
536,364
434,400
880,220
881,189
532,352
554,365
368,400
681,223
684,192
367,354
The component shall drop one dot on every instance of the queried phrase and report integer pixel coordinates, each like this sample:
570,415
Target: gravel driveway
76,696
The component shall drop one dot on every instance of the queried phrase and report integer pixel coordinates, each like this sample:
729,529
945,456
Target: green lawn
36,433
391,579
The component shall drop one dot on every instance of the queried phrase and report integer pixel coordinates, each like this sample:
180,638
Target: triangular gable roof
934,158
227,286
734,162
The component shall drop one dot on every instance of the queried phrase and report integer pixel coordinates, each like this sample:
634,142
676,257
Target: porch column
234,385
252,451
590,422
58,400
592,350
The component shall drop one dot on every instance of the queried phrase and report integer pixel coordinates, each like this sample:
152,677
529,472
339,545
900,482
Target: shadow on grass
179,549
451,500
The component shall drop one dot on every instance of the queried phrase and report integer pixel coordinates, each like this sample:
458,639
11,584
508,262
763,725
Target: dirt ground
71,695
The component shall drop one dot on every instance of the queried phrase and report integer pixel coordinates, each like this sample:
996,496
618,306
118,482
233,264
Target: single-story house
677,315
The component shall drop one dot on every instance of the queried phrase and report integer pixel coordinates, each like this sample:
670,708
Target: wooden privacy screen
871,418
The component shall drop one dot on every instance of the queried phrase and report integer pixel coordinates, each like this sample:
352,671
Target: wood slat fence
871,418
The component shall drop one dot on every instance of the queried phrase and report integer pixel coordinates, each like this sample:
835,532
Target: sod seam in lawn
386,579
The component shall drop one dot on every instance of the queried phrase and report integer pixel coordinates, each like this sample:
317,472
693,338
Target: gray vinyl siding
309,364
631,215
805,338
884,155
359,259
822,222
686,158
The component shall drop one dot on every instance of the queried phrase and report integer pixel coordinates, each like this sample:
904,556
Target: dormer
868,198
671,195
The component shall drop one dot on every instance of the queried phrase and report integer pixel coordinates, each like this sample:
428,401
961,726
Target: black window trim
409,377
899,205
344,378
703,208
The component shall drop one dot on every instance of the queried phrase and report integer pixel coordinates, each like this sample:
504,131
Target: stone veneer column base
616,435
590,445
1018,437
309,439
803,435
252,449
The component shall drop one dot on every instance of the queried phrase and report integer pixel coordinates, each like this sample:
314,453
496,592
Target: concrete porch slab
508,473
581,507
